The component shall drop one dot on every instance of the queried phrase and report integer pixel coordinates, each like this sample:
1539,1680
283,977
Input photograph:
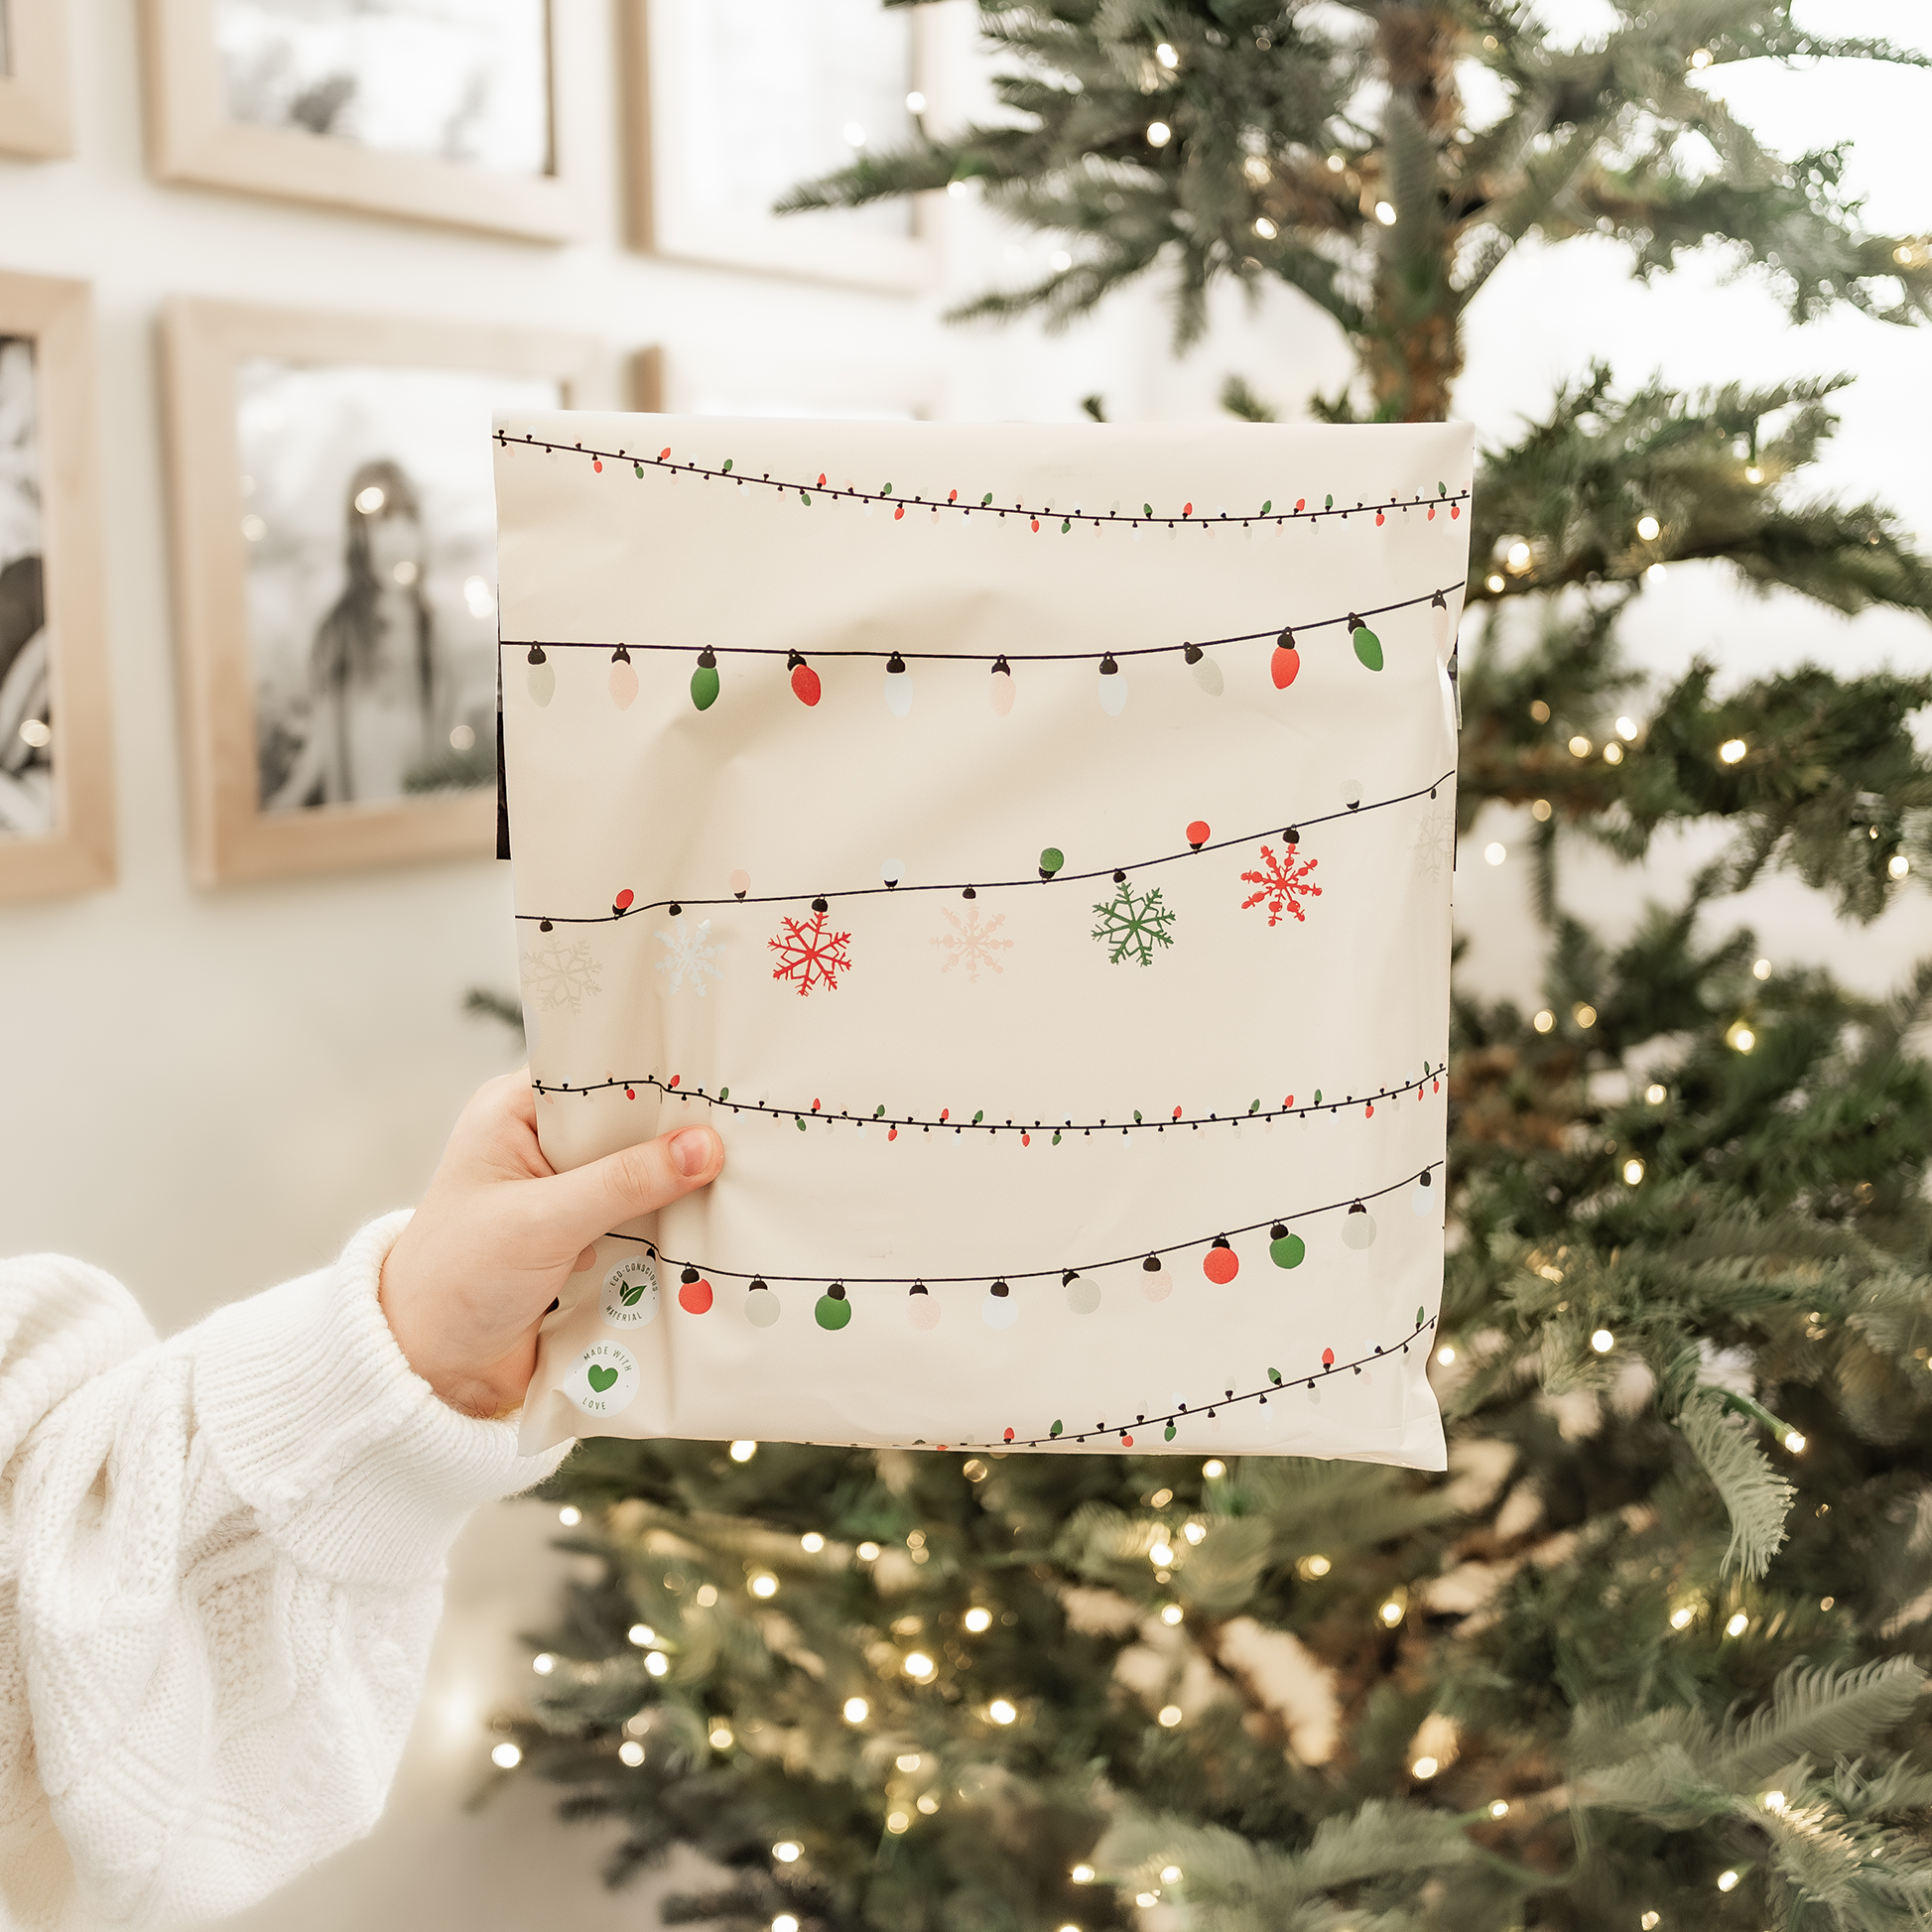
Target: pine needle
1756,1496
1820,1713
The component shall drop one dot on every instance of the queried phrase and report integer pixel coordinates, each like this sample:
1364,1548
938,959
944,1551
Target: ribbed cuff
320,1424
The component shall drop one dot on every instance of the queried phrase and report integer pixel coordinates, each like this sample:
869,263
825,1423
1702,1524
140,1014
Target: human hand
499,1231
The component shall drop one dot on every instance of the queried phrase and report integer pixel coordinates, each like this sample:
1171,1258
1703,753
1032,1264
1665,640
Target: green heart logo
602,1379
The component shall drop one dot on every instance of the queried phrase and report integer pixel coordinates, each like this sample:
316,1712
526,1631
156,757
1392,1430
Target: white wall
207,1092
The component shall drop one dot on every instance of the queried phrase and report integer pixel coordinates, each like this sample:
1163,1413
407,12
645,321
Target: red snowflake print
810,954
1283,883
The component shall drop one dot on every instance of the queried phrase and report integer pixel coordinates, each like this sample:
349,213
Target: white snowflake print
970,943
809,952
1132,923
560,973
688,956
1435,842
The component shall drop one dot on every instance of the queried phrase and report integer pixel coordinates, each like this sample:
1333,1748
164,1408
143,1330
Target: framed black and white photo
56,802
458,111
336,540
733,103
35,115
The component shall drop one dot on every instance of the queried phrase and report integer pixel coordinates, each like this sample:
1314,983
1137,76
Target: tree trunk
1411,361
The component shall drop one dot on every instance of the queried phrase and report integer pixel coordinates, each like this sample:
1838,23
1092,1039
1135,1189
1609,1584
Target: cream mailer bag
1030,848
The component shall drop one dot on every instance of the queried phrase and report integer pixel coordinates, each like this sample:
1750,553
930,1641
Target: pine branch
1757,1498
1577,486
1236,1886
1237,399
490,1003
1817,1712
1287,129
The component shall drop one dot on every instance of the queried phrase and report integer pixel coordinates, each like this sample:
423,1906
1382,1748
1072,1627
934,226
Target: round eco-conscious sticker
630,1293
602,1380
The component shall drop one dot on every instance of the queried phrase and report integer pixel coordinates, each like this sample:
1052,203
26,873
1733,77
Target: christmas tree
1650,1654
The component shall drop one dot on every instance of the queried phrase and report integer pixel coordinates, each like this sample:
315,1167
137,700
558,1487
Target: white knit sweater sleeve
220,1566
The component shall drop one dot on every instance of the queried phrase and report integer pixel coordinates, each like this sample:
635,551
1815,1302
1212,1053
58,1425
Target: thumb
584,1202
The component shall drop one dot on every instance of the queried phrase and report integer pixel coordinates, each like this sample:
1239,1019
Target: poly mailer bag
1030,848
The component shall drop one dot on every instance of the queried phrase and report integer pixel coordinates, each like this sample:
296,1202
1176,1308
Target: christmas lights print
1276,1382
1368,647
623,680
541,677
1346,1219
1082,1287
810,954
1154,1121
1354,806
1033,519
898,684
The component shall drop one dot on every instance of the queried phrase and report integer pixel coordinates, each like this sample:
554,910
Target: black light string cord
1116,873
1230,1400
730,472
1350,1202
673,1090
1441,594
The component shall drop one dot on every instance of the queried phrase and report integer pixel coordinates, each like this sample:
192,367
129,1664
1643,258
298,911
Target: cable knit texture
221,1563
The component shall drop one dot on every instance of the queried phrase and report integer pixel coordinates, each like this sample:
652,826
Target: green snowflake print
1132,923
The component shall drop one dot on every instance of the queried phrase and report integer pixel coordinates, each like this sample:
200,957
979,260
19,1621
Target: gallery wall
209,1089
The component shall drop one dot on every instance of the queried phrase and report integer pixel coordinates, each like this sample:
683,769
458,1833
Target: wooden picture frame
210,350
693,382
36,104
665,126
70,724
193,138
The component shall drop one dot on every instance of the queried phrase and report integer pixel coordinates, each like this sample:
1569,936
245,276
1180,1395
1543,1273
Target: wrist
455,1376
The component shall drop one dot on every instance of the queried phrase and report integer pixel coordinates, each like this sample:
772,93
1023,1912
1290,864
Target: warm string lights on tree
1033,519
1111,685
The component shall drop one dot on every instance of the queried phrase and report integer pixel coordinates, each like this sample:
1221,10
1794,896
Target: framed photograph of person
733,103
457,111
35,113
56,795
334,532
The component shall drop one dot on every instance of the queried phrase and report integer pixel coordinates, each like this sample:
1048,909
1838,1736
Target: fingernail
690,1152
